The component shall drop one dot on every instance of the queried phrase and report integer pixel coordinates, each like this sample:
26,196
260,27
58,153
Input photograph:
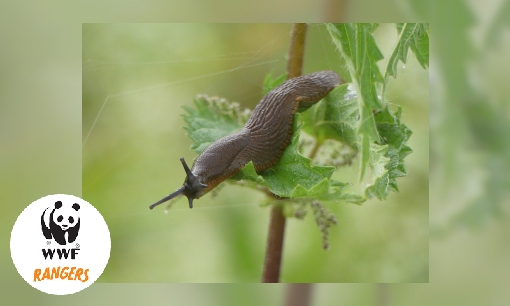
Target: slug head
192,188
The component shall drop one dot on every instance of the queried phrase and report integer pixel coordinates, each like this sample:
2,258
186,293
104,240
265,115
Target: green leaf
248,173
334,117
361,54
414,36
271,82
212,119
387,160
377,161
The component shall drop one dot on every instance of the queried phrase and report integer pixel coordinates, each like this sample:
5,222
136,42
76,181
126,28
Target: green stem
315,149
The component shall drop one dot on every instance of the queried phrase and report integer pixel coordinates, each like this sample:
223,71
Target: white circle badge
60,244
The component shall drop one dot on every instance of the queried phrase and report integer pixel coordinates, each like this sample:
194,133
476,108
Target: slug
262,140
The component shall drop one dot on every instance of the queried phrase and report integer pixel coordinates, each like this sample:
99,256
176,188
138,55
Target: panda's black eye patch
60,218
71,220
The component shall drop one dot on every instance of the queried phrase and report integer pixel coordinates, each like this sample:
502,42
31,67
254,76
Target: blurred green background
136,77
41,148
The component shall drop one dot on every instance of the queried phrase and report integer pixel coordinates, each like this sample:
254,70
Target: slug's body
261,141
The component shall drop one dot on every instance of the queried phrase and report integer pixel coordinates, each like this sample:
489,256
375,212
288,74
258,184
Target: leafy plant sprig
353,114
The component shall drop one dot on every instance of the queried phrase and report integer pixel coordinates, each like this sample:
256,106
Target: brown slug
262,140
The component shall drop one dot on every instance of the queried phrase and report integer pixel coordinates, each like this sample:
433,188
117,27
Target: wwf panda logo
63,219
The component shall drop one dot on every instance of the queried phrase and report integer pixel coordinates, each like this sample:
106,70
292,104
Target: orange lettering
63,274
55,272
37,275
79,272
71,273
46,274
86,276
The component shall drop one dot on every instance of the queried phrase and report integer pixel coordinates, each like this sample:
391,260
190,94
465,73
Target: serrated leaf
334,117
420,45
212,119
361,54
271,82
299,192
352,198
414,36
249,173
387,161
320,189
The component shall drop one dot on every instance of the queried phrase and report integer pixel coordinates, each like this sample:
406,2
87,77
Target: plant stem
297,50
274,245
315,149
276,233
299,295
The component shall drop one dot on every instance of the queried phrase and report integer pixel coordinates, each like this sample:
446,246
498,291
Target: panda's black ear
76,206
58,204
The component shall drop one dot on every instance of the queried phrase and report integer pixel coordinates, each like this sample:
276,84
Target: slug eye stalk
190,188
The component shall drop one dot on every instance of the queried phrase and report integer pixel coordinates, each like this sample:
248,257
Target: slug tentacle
262,140
174,194
191,187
